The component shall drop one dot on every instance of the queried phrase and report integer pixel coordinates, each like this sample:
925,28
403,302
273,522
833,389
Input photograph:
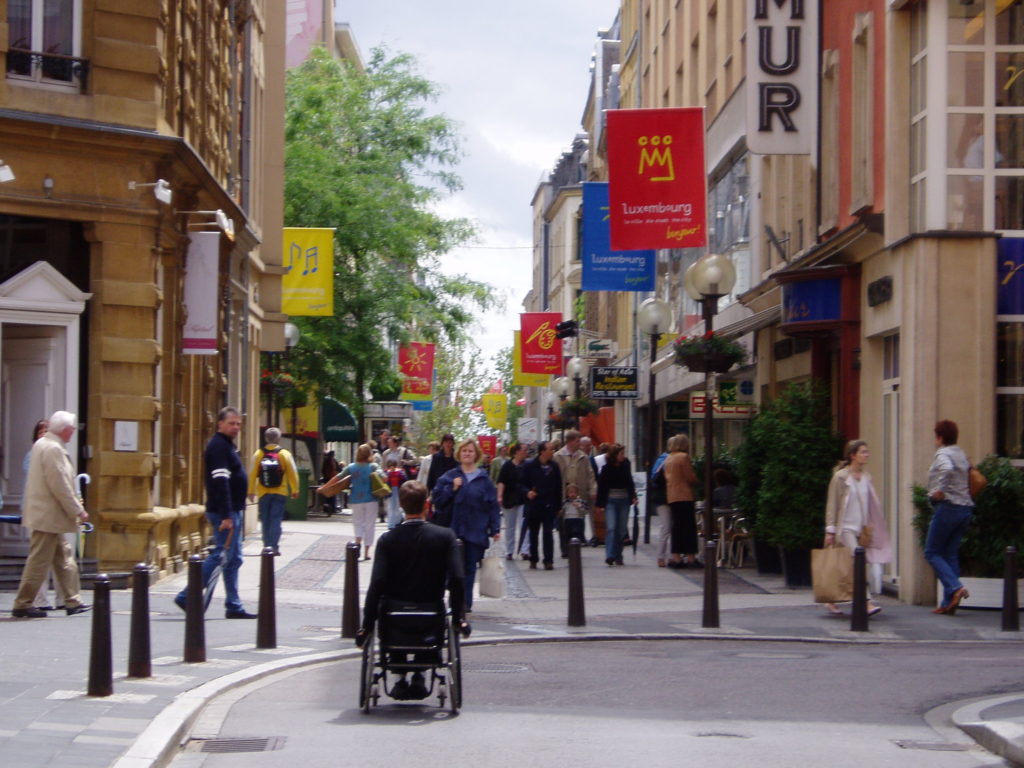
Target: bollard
710,613
101,671
195,629
266,621
1011,604
350,601
859,614
140,662
577,614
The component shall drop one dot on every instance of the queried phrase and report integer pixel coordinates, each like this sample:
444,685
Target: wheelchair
408,638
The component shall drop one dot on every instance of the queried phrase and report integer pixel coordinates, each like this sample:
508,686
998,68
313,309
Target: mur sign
782,76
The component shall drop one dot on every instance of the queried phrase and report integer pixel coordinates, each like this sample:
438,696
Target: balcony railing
55,68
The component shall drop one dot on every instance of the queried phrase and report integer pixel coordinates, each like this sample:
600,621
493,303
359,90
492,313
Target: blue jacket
226,479
359,492
475,514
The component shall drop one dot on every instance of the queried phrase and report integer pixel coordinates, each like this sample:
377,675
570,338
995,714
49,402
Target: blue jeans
394,510
232,560
472,554
511,516
942,545
616,515
271,515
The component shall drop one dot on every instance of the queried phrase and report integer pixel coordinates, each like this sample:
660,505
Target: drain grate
500,668
239,744
934,746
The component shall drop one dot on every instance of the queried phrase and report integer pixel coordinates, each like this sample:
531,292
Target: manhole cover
239,744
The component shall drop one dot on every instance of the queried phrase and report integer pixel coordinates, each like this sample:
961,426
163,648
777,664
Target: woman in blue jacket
466,500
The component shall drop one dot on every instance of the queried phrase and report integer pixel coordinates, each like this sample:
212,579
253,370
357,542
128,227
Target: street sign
698,404
529,430
614,383
600,348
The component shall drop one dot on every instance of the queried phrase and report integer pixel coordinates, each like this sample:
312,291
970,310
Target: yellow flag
307,286
495,410
519,378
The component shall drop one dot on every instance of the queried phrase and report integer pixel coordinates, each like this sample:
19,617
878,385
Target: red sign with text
416,365
657,182
539,350
488,444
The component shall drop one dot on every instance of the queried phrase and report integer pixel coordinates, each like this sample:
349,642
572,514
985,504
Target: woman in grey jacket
948,490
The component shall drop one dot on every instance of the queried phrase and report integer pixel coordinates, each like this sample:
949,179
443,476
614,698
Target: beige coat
576,469
51,503
679,477
839,489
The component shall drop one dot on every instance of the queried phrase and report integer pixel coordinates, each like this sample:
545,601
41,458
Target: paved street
772,667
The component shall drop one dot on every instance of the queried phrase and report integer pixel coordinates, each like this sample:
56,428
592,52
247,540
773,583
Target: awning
337,424
754,322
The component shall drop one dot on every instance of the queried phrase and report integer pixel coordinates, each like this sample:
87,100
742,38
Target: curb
1000,737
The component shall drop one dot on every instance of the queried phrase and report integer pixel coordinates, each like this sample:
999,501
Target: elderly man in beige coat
51,508
576,470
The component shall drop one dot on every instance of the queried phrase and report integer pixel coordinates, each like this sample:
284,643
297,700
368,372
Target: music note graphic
314,254
293,250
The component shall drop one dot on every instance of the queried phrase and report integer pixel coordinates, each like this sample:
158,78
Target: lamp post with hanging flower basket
710,352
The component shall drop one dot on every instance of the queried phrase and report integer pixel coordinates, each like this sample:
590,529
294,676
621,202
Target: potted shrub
997,523
786,466
710,352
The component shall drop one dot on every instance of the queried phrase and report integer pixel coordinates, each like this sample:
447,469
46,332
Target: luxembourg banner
416,365
657,183
488,444
495,410
603,268
540,351
202,267
520,379
307,286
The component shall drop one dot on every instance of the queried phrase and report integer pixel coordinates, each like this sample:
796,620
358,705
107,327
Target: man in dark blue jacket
543,480
226,487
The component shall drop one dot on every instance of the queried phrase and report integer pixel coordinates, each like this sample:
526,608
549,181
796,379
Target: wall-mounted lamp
6,174
48,185
222,220
161,190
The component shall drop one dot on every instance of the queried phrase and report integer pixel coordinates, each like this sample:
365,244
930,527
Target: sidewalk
45,716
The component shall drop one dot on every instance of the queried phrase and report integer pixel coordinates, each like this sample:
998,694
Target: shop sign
782,76
1011,276
811,301
720,410
613,383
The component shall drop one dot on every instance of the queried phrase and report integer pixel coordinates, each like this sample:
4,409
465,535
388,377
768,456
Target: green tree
458,384
364,156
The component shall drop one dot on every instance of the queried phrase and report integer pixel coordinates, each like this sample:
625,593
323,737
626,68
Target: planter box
984,593
704,363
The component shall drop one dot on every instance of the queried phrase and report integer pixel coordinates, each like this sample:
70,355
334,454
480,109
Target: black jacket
547,484
438,466
226,479
511,476
415,561
614,476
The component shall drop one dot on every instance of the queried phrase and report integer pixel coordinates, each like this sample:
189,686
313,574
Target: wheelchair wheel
454,668
367,685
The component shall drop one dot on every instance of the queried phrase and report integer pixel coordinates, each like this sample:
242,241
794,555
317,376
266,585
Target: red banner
416,365
541,352
488,444
657,182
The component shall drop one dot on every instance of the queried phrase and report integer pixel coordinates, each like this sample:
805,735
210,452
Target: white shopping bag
492,574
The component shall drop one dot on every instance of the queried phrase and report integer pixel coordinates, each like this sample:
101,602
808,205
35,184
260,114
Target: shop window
1010,390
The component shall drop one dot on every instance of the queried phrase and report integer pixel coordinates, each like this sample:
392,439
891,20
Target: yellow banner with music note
307,286
495,410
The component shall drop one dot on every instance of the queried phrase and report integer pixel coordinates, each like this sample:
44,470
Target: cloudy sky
514,77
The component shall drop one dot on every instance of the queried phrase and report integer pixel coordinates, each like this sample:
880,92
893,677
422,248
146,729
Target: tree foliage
365,157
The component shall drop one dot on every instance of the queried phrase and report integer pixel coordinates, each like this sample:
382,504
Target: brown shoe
548,567
661,563
940,609
954,601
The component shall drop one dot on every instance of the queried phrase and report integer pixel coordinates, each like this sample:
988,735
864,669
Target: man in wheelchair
414,563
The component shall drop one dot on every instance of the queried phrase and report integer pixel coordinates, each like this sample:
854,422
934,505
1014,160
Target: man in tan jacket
51,508
576,470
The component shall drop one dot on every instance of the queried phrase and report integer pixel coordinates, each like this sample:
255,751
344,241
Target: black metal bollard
710,613
140,662
195,629
859,613
1011,603
350,602
101,669
577,613
266,622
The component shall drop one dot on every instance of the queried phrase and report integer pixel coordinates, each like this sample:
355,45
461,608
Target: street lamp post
560,386
577,369
653,318
707,281
291,340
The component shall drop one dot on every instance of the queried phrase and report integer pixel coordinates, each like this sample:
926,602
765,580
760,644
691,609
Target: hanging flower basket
574,407
709,352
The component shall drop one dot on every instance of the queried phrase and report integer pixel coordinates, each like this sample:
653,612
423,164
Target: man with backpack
272,480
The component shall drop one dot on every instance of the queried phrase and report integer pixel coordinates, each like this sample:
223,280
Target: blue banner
1011,276
811,301
603,268
423,405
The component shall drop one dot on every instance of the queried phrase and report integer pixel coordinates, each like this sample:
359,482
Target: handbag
335,485
379,486
976,481
865,536
832,574
492,576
